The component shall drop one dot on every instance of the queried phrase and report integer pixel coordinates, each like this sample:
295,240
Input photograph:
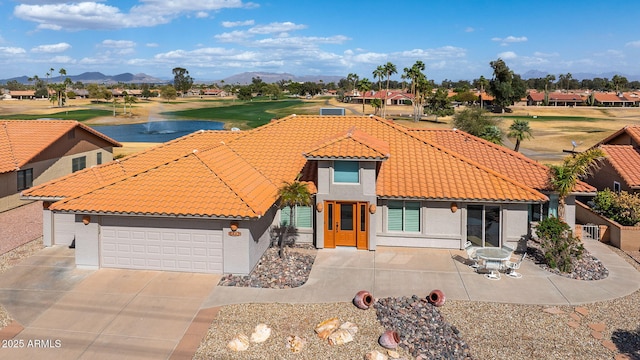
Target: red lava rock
573,324
553,310
597,326
609,345
582,311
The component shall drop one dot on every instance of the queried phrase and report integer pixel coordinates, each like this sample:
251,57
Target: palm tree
519,130
389,69
353,79
563,178
292,194
364,85
482,82
419,85
548,79
378,73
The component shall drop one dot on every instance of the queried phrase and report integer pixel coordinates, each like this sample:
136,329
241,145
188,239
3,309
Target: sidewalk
338,274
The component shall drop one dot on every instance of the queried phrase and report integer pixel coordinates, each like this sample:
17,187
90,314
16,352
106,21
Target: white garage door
190,250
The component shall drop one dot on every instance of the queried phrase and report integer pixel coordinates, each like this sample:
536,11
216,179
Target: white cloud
633,44
96,15
509,40
469,29
276,27
202,14
229,24
507,55
118,44
545,55
152,45
51,48
11,51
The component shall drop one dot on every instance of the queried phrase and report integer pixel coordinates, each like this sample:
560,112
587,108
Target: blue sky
214,39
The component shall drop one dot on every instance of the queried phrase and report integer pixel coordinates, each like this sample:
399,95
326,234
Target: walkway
338,274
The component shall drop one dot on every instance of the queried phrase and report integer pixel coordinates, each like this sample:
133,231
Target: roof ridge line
11,150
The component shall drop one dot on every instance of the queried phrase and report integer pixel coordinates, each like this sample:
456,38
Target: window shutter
285,216
412,216
303,217
394,216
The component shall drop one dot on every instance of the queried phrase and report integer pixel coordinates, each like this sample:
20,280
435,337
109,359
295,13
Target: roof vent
235,129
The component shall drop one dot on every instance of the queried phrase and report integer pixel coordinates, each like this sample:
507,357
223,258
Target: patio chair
494,268
471,254
513,266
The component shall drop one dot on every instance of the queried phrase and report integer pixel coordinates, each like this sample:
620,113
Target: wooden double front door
346,223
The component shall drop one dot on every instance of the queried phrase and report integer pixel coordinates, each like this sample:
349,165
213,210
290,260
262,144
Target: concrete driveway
70,313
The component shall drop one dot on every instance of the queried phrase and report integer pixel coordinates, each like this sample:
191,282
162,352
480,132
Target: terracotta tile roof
498,158
241,176
98,176
22,140
625,159
633,131
609,97
212,183
354,144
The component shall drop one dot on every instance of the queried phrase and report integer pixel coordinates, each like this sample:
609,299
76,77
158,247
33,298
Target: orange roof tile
632,130
625,159
95,177
22,140
498,158
241,176
354,144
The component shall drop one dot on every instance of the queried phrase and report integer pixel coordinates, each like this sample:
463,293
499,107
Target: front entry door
346,224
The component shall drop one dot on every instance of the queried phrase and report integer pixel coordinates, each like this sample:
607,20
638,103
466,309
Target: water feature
156,129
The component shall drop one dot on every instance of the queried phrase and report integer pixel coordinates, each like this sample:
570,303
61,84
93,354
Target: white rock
239,343
375,355
350,327
261,333
340,336
295,343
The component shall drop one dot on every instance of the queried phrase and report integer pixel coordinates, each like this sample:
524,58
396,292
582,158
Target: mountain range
247,77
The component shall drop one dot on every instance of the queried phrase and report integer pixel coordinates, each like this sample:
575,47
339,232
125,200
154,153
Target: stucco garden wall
623,237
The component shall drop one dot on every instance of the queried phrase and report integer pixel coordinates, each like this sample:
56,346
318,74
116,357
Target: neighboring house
392,97
612,99
554,99
22,94
33,152
620,170
206,202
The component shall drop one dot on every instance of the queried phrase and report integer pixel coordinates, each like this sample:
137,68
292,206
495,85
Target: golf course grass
79,115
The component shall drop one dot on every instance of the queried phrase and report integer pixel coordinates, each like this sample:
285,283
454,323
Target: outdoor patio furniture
494,259
513,266
471,254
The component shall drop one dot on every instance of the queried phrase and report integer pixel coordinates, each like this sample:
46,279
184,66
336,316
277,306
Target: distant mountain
246,78
536,74
98,78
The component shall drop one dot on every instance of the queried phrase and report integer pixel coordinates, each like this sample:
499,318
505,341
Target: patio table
494,259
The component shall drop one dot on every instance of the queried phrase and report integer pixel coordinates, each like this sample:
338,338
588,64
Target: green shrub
622,207
559,246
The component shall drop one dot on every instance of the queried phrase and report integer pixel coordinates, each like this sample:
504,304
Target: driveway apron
70,313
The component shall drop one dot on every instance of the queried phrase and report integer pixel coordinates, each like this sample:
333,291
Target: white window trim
616,186
333,173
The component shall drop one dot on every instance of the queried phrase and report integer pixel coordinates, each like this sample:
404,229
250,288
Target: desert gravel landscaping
604,330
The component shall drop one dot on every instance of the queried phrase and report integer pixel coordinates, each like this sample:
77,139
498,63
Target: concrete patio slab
51,345
28,305
114,347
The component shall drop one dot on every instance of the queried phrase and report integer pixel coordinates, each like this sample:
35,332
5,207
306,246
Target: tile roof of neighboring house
485,96
241,176
22,140
354,144
632,130
609,97
22,92
625,159
496,157
554,96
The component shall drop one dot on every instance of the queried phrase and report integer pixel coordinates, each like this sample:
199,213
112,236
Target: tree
389,69
182,82
168,92
563,178
245,93
378,73
115,102
619,82
130,99
519,130
364,85
504,86
376,104
439,104
419,86
481,83
352,79
291,195
549,79
476,122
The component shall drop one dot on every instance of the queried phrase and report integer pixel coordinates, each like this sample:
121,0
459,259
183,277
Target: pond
156,131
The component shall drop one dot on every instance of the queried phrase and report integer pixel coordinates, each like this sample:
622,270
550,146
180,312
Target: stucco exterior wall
48,169
364,191
515,223
604,177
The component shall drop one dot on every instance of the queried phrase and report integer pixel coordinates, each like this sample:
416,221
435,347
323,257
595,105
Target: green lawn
79,115
549,118
249,114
